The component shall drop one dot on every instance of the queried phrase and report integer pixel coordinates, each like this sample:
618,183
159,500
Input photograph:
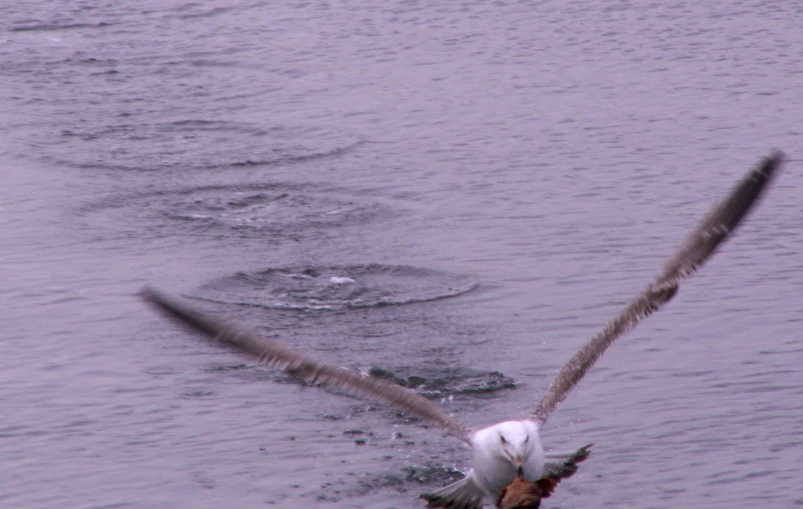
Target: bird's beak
519,467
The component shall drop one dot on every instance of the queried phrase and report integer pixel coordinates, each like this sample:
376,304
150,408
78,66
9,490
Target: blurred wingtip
768,168
770,164
776,157
146,291
151,295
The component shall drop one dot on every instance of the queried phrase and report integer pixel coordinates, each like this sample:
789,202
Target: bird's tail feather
463,494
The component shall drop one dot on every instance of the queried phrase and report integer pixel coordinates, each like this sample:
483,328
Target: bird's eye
502,439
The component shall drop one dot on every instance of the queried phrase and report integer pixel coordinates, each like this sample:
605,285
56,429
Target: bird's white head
516,441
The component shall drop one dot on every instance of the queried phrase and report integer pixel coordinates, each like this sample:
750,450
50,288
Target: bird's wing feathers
274,354
699,246
463,494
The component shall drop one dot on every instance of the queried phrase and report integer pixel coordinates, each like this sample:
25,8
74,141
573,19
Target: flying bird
509,450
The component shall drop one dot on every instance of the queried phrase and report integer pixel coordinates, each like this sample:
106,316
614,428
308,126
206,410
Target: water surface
452,197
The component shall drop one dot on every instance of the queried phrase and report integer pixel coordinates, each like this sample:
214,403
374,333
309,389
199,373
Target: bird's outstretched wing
699,246
274,354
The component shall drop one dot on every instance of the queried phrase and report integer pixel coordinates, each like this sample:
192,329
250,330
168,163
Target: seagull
512,449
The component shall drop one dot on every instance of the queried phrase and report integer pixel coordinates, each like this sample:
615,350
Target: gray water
497,179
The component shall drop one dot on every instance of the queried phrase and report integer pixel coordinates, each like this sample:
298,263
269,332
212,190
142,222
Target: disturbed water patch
336,287
411,478
430,382
255,208
447,382
187,144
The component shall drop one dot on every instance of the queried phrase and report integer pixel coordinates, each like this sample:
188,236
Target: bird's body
510,449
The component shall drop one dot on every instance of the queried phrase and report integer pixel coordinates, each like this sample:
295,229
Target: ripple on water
336,287
246,209
187,144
